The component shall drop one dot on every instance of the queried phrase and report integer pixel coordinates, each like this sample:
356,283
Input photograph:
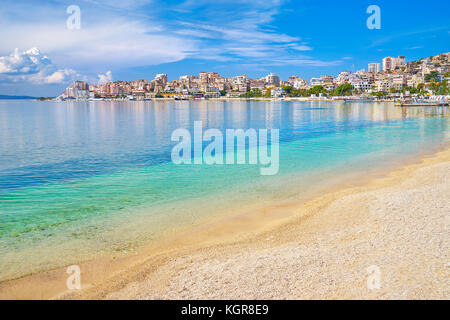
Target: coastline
397,223
262,233
237,99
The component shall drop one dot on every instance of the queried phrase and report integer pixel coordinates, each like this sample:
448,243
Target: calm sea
83,179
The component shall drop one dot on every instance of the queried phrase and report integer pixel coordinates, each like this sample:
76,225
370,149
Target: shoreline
227,99
324,250
107,278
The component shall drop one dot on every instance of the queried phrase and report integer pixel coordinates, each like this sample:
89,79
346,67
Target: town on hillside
394,78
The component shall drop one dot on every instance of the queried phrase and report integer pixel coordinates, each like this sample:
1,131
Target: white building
277,92
78,90
298,83
342,78
383,85
399,81
374,67
315,82
391,63
361,85
162,78
272,79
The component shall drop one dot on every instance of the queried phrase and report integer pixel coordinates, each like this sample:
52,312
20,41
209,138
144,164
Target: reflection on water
96,176
45,142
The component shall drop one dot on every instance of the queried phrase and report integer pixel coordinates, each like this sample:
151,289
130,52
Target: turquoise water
84,179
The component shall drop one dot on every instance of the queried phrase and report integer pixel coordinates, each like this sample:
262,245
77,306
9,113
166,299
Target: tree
411,90
433,76
434,86
254,93
317,90
301,93
443,89
288,90
344,89
379,94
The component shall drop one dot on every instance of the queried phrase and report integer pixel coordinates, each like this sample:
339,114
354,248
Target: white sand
402,228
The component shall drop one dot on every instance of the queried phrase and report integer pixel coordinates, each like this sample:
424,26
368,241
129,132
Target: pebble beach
398,224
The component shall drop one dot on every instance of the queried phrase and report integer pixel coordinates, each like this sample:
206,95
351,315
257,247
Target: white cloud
128,43
122,4
112,34
105,78
32,66
301,47
304,62
60,76
115,34
22,63
243,30
122,36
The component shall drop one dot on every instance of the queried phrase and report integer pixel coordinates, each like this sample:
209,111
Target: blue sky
125,40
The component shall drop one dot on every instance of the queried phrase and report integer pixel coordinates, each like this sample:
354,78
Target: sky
43,48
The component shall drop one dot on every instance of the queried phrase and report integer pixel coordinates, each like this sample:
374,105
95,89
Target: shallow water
82,179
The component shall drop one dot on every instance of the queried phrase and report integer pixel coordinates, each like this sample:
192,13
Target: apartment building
374,67
391,63
272,79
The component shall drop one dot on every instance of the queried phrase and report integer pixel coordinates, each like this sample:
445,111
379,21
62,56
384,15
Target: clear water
82,179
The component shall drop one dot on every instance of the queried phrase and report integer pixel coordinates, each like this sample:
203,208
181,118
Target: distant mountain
5,97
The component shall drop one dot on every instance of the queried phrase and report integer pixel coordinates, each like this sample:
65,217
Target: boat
429,104
357,99
421,103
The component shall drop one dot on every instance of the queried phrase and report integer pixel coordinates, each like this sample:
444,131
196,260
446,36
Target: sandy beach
398,224
325,248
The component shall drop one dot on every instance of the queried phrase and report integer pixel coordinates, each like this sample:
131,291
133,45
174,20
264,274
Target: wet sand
317,249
